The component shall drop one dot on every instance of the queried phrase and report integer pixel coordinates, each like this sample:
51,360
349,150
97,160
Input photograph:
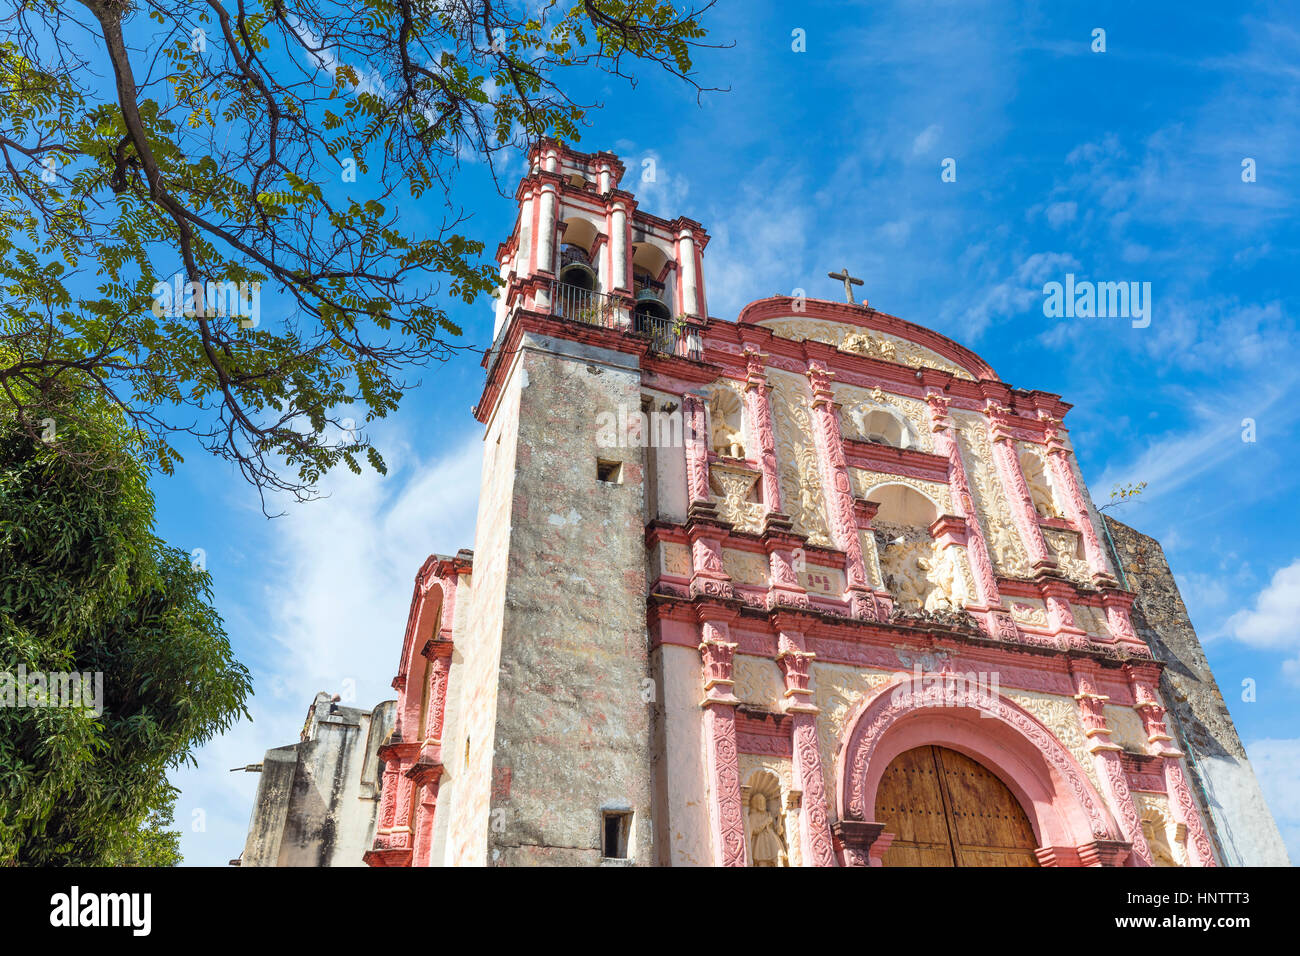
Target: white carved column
686,256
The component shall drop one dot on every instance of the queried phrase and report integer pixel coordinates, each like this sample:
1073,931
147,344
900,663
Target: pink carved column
1119,605
839,492
1059,461
697,453
1144,678
784,589
394,838
1105,756
986,584
1015,488
1060,618
760,416
726,810
814,826
427,770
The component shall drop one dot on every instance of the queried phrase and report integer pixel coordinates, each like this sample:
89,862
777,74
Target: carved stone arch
877,421
899,503
1063,807
423,624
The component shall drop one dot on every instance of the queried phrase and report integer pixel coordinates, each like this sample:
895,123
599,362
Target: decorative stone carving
733,489
999,530
802,495
1063,545
1040,487
767,846
866,482
880,345
726,423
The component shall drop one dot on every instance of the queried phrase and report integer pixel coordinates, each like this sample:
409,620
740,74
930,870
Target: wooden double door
946,809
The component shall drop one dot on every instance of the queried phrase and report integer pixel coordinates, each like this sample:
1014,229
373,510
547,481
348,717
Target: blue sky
1122,165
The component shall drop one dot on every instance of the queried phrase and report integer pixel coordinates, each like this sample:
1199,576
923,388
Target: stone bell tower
546,742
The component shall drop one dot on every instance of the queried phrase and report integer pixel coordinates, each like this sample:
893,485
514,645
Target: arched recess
950,710
413,675
867,421
903,505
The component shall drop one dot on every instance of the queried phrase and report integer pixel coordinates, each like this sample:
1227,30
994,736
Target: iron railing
666,336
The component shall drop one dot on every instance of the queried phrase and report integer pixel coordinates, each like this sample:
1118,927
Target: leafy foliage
86,588
288,150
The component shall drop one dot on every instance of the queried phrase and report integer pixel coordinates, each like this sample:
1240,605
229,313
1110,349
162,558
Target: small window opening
610,472
616,825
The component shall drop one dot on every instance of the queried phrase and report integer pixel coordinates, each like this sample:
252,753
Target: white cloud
1274,622
335,594
1059,213
926,139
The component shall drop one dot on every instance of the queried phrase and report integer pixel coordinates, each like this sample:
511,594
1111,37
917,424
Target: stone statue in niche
1040,489
725,434
765,832
920,574
947,583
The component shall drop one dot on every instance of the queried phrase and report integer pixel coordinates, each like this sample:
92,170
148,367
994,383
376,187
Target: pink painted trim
1062,805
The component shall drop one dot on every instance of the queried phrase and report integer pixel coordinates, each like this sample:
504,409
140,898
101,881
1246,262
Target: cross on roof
849,282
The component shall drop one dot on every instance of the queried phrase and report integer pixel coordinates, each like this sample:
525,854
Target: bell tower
547,744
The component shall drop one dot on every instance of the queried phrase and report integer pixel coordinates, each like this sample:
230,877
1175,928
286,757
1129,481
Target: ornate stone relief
1061,716
868,342
734,491
753,768
920,574
1000,531
764,822
758,682
1126,727
837,691
745,567
1064,546
802,493
1037,479
1166,837
1030,611
676,559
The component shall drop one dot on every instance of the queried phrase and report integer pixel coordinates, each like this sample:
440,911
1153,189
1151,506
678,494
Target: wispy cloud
336,587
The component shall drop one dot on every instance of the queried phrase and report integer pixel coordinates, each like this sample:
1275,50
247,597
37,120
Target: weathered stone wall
317,800
556,666
464,796
1239,819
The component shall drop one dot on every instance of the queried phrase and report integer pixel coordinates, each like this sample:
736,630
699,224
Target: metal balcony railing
666,336
582,305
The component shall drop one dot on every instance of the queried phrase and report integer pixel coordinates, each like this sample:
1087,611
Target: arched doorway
946,809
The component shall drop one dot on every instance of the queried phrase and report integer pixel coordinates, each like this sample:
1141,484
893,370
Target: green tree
280,145
87,588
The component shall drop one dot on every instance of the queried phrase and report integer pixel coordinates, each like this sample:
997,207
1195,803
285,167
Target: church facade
811,586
